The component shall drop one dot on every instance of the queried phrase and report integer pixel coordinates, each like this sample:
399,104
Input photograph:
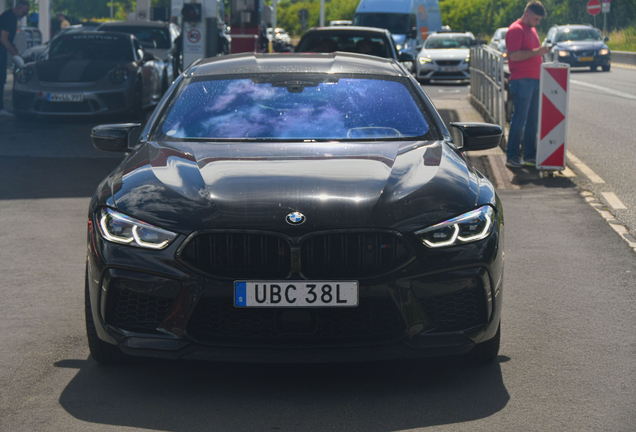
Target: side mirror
478,136
606,38
406,57
112,137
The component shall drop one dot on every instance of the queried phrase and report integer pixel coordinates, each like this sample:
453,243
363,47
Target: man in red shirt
525,55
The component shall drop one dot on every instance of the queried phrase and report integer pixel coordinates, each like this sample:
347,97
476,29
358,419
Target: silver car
89,73
445,56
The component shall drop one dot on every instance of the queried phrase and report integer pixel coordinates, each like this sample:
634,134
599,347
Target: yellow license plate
585,59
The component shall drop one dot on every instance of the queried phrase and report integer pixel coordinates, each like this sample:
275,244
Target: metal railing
487,83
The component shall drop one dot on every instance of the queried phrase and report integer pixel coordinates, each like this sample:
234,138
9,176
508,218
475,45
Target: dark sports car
89,73
294,208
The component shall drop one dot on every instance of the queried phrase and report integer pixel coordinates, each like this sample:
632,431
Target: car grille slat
268,256
239,255
352,255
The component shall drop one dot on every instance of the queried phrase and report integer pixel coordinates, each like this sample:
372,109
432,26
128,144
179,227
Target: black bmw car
294,208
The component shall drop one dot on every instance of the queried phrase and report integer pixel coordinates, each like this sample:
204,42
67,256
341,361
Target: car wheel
593,68
606,68
102,352
487,352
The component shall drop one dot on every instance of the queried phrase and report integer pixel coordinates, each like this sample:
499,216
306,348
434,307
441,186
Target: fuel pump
202,24
248,31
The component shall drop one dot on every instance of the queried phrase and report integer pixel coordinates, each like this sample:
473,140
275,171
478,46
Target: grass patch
623,40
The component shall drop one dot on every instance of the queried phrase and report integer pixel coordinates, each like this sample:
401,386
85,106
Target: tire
606,68
593,68
487,352
102,352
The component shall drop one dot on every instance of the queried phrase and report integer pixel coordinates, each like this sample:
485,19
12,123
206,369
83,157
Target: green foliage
483,17
334,10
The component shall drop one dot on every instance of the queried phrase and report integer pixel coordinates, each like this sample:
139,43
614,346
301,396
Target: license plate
296,294
448,69
65,97
586,59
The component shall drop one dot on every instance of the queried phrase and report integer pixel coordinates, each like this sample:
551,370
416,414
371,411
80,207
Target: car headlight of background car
604,51
564,53
119,75
119,228
469,227
24,75
424,60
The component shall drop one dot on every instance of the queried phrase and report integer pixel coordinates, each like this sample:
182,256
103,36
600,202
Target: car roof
157,24
348,29
579,26
452,33
331,63
118,35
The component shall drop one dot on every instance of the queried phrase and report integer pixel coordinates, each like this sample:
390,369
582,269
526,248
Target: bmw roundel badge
295,218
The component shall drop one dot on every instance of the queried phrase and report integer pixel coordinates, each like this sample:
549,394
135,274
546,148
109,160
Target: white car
445,56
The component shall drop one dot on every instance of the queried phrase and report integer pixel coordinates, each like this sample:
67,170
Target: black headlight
118,76
24,75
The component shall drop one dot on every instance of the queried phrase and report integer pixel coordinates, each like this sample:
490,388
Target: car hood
73,70
205,186
580,45
446,54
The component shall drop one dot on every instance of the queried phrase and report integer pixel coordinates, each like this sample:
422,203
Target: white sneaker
4,113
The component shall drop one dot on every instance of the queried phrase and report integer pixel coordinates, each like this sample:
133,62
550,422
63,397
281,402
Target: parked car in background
364,40
295,208
281,41
156,37
89,73
445,56
498,41
579,46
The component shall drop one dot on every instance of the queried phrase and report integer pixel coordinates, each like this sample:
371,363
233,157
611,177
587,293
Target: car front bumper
433,71
150,305
36,101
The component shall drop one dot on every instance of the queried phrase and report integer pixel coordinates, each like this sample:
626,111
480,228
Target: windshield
393,22
85,46
325,42
295,108
578,35
449,42
149,37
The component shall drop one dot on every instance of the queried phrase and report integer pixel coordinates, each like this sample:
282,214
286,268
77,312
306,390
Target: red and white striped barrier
553,116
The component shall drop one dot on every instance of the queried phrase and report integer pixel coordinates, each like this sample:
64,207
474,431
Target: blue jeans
525,118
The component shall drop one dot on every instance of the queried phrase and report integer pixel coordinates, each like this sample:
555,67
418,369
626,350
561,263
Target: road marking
594,178
614,201
604,89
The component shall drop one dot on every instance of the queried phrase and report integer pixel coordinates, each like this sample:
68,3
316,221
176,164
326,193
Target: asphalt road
601,131
567,361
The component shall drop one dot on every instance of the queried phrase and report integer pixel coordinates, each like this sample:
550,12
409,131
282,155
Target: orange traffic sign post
553,116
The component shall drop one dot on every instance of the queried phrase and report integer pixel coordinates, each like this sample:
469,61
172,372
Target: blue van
409,21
